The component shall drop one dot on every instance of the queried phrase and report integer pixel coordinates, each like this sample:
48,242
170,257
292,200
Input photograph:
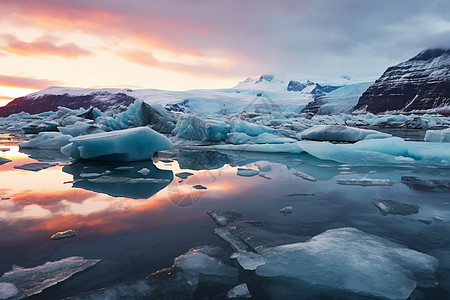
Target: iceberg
207,129
286,210
376,267
24,282
439,136
250,129
339,133
132,144
47,140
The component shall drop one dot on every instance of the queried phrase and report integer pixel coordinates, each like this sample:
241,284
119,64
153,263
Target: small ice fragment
300,194
231,236
35,166
199,187
89,175
184,175
395,208
122,168
64,234
240,291
264,176
304,176
222,217
144,171
286,210
247,172
366,182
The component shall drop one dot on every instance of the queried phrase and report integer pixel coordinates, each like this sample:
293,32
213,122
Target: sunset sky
179,45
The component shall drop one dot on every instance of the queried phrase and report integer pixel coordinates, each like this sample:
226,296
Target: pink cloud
42,46
25,82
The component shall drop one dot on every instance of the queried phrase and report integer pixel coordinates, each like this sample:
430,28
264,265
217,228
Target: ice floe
35,166
339,133
376,267
47,140
440,136
239,291
31,281
247,172
431,185
391,207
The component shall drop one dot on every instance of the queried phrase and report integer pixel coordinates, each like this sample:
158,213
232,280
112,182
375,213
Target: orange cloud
27,82
50,200
146,58
42,46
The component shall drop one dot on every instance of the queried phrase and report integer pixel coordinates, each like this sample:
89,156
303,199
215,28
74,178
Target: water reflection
136,180
45,155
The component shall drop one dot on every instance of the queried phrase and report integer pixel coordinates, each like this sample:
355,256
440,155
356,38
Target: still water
138,228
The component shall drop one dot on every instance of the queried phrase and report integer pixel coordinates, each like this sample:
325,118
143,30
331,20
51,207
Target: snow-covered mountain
341,100
419,85
264,94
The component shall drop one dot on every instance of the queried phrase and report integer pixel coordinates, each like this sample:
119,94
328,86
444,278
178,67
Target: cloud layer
235,39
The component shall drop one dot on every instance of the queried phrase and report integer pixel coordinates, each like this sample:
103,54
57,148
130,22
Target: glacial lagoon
137,222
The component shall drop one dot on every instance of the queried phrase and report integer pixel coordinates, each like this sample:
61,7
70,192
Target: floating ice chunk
208,129
47,140
184,175
90,175
199,187
64,234
34,128
132,144
230,235
340,133
432,185
31,281
366,182
391,207
249,260
197,261
35,166
439,136
286,210
247,172
4,160
144,171
385,151
223,217
128,180
80,128
268,148
304,176
239,291
376,267
249,128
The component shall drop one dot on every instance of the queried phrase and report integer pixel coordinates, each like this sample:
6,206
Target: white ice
350,259
439,136
239,291
31,281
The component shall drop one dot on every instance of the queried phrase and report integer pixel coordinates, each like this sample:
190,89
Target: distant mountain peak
428,54
266,77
